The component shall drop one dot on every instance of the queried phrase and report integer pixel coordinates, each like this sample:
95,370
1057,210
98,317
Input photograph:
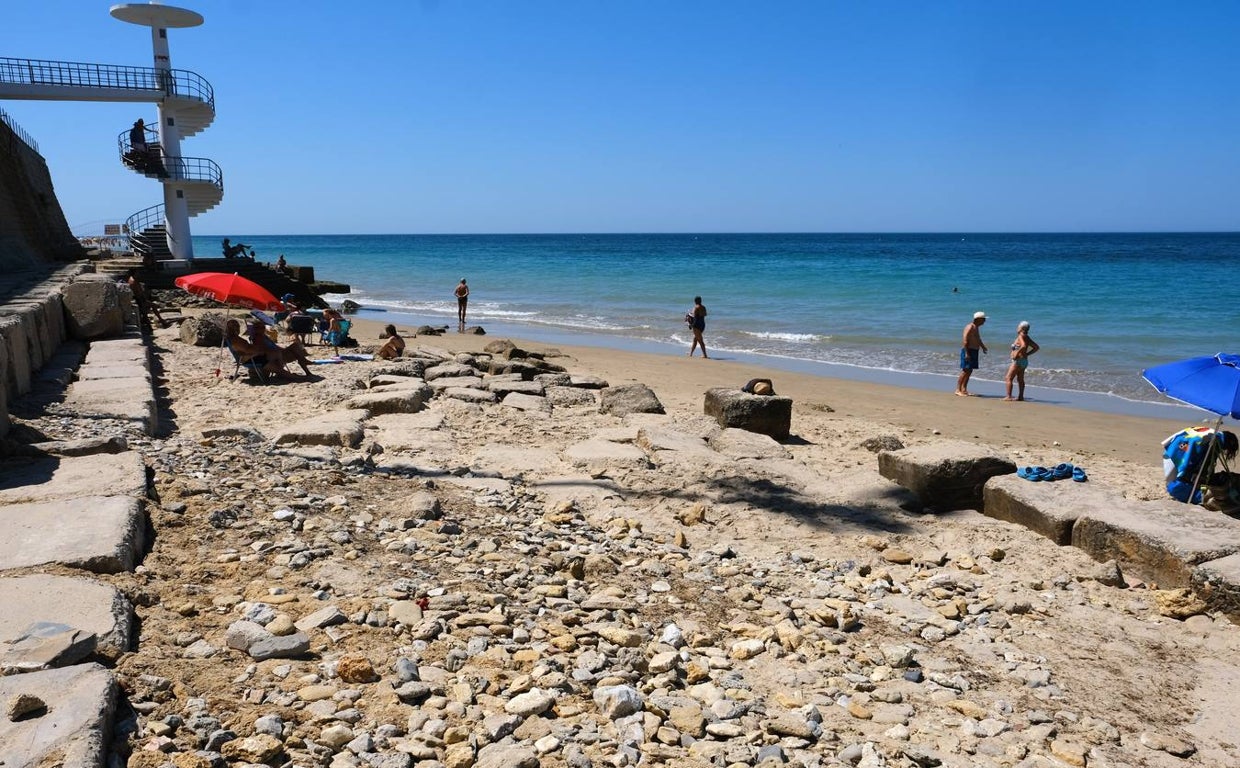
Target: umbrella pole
1205,461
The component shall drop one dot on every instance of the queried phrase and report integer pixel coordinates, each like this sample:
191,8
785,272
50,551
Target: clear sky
509,116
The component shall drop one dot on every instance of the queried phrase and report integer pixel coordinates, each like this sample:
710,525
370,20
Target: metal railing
177,168
141,221
20,132
172,82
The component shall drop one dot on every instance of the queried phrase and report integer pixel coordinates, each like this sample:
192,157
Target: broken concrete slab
945,475
515,459
36,480
74,728
120,370
596,453
103,534
132,349
88,605
342,427
469,395
45,645
469,382
86,446
1050,509
448,369
396,400
525,402
1217,582
568,397
125,399
1161,541
503,386
743,444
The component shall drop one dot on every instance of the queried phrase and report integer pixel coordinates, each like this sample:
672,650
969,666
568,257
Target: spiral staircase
185,95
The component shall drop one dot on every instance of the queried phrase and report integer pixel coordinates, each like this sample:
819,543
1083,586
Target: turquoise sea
1102,306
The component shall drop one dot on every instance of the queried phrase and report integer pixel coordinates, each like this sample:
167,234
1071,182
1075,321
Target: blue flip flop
1062,471
1079,475
1034,474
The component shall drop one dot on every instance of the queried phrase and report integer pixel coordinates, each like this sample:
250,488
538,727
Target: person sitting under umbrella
273,358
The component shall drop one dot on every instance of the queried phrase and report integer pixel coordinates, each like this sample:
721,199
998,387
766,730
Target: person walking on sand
462,299
1022,348
697,321
969,345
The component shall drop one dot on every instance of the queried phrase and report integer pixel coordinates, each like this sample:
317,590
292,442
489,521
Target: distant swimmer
955,289
970,343
462,300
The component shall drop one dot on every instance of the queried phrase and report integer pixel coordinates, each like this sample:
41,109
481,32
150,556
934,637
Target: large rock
93,307
405,398
73,728
1217,582
629,398
946,475
765,414
203,331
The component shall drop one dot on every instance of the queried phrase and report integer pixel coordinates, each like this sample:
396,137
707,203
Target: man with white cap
969,346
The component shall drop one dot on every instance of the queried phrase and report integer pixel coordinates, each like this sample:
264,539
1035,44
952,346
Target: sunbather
272,358
394,346
294,352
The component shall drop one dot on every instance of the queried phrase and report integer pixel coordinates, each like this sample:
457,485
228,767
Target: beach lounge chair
253,366
300,326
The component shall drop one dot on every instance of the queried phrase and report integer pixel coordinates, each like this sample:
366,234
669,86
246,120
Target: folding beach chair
252,366
336,338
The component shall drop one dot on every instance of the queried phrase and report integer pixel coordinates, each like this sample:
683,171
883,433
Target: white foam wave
776,336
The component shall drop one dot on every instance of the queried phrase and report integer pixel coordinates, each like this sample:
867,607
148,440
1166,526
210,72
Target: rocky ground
455,591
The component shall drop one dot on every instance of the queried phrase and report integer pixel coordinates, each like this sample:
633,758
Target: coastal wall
33,230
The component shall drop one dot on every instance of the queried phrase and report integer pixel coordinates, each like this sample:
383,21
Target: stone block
330,428
469,395
457,382
503,387
48,479
73,728
523,402
398,399
15,348
127,399
945,475
1161,541
629,398
1050,509
93,308
569,397
596,453
129,349
742,444
102,534
79,603
765,414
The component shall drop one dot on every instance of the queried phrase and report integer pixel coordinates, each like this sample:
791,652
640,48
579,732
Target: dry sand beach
476,584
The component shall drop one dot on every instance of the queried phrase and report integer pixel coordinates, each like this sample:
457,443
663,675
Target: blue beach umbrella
1211,383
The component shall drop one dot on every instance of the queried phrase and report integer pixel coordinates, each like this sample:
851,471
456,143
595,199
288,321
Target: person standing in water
697,318
462,299
970,343
1022,348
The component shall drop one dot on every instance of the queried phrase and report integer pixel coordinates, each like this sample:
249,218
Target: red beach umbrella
229,289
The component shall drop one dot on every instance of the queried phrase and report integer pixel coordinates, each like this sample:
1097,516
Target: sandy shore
1055,432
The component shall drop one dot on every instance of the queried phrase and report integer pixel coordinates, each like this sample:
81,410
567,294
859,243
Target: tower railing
173,82
174,168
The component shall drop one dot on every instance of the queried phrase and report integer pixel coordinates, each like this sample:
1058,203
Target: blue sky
462,116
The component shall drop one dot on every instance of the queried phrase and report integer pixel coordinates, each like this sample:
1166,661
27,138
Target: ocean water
1102,306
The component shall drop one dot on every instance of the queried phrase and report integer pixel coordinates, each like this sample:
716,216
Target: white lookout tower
185,104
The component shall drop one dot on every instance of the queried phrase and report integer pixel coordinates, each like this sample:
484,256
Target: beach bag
689,319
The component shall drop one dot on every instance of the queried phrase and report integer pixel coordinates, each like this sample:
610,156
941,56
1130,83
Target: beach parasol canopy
1211,383
229,289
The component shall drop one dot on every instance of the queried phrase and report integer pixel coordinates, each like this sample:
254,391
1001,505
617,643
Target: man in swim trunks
970,344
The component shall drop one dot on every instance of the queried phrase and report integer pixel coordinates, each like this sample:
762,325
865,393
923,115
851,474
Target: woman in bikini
1022,348
697,317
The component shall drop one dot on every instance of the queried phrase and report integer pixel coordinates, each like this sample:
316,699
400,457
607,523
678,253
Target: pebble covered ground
467,596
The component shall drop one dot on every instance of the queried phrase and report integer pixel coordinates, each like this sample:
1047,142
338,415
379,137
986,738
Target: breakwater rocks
488,570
